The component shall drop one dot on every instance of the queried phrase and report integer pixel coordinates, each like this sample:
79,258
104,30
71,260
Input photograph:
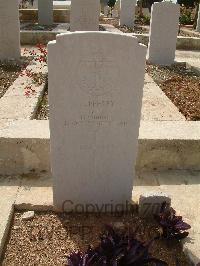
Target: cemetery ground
32,33
167,159
165,141
142,27
179,82
8,74
56,27
54,236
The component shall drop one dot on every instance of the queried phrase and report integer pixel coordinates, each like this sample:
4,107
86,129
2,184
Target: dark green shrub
186,17
111,3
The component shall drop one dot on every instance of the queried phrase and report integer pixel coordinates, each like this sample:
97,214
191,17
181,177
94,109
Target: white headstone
103,3
117,5
28,4
146,12
9,30
127,13
45,12
163,33
35,4
95,93
115,13
198,21
106,11
84,15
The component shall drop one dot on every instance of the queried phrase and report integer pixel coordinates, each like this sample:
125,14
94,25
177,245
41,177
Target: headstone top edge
166,3
154,194
98,33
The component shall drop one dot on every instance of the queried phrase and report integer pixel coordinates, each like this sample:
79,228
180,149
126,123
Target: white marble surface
127,12
45,12
95,94
163,33
9,30
84,15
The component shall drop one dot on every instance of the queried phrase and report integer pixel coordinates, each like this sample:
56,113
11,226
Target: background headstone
127,13
45,12
84,15
9,30
95,94
106,11
115,13
103,3
146,12
117,6
198,21
163,33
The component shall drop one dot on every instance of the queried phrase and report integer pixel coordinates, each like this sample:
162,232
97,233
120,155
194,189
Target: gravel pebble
28,215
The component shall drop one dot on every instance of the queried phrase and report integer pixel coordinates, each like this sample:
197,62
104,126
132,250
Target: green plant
146,20
111,3
186,17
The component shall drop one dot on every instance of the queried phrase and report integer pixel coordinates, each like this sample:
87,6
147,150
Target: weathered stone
28,215
103,3
163,33
84,15
115,13
127,12
119,225
45,12
94,115
198,21
106,11
9,30
150,203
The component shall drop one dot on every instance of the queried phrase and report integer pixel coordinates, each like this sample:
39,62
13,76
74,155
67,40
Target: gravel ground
140,28
137,29
189,34
48,238
181,85
36,26
43,110
9,72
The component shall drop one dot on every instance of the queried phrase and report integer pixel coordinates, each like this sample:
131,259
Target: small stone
150,203
118,225
16,227
28,215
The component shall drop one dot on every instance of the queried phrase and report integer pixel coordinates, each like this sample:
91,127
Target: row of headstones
127,12
95,95
85,17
